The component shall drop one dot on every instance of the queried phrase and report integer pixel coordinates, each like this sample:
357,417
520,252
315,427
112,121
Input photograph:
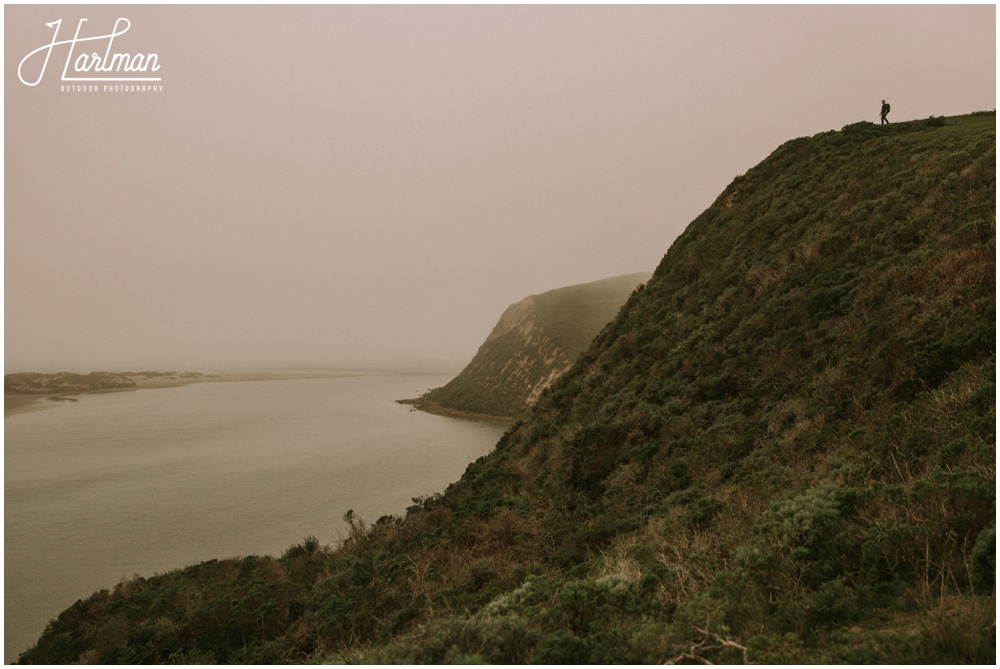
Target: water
142,482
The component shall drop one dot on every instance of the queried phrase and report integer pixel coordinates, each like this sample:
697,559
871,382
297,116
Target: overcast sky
328,187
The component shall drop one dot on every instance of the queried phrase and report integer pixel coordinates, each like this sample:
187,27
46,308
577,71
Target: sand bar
144,381
14,403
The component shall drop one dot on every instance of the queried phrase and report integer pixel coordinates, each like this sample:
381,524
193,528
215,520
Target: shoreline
17,403
175,380
433,408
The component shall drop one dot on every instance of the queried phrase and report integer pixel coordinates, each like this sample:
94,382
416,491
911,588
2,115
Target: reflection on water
23,403
142,482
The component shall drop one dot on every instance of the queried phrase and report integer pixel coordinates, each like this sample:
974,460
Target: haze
342,187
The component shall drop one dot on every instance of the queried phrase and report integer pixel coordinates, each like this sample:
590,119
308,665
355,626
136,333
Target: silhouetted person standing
885,112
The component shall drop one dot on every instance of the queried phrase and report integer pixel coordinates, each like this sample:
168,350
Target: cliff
782,450
535,341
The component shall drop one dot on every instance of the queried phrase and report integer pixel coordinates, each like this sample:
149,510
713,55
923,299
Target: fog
346,187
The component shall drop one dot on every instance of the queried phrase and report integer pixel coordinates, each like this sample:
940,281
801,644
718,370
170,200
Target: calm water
142,482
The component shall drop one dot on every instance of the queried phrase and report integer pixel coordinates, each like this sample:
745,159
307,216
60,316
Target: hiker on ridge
885,111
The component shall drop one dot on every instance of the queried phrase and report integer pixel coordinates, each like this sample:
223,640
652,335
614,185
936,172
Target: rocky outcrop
535,342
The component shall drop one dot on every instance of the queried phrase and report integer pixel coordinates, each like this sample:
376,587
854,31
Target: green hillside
574,315
782,450
533,344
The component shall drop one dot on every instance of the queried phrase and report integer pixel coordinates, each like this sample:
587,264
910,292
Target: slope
781,450
534,343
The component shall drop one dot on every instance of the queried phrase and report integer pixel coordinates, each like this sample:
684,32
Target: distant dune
67,383
533,344
34,383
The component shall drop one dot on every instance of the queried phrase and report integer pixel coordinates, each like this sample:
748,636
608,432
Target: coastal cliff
781,451
535,341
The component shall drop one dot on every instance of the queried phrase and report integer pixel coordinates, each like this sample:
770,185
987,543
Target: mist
345,187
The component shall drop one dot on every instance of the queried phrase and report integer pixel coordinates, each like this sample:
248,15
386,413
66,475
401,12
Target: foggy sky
330,187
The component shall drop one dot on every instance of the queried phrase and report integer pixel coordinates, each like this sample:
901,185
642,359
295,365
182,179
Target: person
885,111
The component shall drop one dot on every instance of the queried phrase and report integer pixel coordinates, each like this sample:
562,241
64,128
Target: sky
346,187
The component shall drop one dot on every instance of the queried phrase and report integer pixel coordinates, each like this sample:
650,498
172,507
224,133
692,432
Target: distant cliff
34,383
533,344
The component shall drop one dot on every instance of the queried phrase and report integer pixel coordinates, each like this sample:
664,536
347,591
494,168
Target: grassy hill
533,344
781,450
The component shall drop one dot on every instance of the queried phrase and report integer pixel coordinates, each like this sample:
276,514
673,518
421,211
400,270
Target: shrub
804,520
983,561
700,513
562,647
500,640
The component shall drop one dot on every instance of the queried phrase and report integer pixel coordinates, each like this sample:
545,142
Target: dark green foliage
699,514
782,449
504,640
983,560
308,546
562,647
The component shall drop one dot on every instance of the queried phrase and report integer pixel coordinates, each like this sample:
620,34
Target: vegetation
782,450
534,343
34,383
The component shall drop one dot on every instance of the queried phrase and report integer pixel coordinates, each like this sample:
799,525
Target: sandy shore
14,404
172,380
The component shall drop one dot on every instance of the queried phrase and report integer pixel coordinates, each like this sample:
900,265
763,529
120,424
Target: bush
495,640
701,513
804,520
308,546
983,561
583,605
562,647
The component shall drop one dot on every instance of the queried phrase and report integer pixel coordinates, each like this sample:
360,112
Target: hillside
782,450
535,341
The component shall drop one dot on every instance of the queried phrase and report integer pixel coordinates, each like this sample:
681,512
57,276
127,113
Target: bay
142,482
